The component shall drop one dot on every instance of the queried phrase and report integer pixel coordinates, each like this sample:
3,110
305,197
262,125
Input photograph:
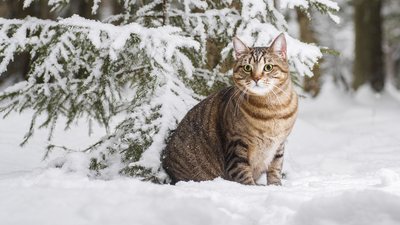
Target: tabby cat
238,133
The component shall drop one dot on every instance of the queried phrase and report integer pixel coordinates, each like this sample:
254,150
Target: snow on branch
75,61
324,6
54,4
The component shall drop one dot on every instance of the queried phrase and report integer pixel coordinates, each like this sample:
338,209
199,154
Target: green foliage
330,51
145,174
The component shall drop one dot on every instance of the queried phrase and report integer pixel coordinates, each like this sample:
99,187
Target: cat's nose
256,79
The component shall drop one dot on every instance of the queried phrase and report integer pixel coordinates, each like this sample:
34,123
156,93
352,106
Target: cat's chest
263,151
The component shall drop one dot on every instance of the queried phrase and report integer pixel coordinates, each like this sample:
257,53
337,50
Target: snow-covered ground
342,165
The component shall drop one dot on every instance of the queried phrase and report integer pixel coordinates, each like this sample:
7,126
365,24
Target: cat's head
259,70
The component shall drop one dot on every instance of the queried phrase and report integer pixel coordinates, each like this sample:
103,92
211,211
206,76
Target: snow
95,7
335,18
351,207
342,166
27,3
388,177
306,4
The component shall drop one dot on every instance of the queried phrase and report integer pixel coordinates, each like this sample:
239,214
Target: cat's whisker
237,99
268,97
236,91
276,96
283,91
241,96
226,91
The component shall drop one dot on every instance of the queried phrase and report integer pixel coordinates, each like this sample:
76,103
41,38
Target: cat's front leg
237,166
274,172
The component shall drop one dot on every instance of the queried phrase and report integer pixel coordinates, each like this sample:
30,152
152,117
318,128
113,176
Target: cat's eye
268,67
247,68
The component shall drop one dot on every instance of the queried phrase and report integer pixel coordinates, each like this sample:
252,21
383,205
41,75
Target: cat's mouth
258,88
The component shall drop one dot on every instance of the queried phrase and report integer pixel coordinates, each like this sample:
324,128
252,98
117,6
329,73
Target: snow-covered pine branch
324,6
79,67
202,20
54,4
257,22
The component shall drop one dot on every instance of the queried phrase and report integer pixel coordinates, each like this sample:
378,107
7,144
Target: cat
239,132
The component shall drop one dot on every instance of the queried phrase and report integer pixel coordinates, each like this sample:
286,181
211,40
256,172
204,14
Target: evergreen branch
30,131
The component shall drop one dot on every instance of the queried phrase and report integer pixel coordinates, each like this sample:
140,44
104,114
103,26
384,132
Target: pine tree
150,63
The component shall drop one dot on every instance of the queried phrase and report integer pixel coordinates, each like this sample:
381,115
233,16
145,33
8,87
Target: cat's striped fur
239,132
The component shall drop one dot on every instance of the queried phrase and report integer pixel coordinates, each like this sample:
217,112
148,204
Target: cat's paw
275,183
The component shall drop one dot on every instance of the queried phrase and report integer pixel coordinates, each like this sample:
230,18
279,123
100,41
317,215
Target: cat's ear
239,47
278,46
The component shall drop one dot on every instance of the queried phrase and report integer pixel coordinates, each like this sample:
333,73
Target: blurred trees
367,39
311,85
391,14
368,64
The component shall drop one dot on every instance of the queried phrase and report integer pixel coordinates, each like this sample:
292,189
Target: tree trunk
312,84
368,64
81,7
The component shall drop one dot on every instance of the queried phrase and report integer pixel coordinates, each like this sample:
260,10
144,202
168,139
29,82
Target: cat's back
194,151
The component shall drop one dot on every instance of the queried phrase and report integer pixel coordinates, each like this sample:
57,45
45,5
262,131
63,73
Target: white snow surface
342,163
